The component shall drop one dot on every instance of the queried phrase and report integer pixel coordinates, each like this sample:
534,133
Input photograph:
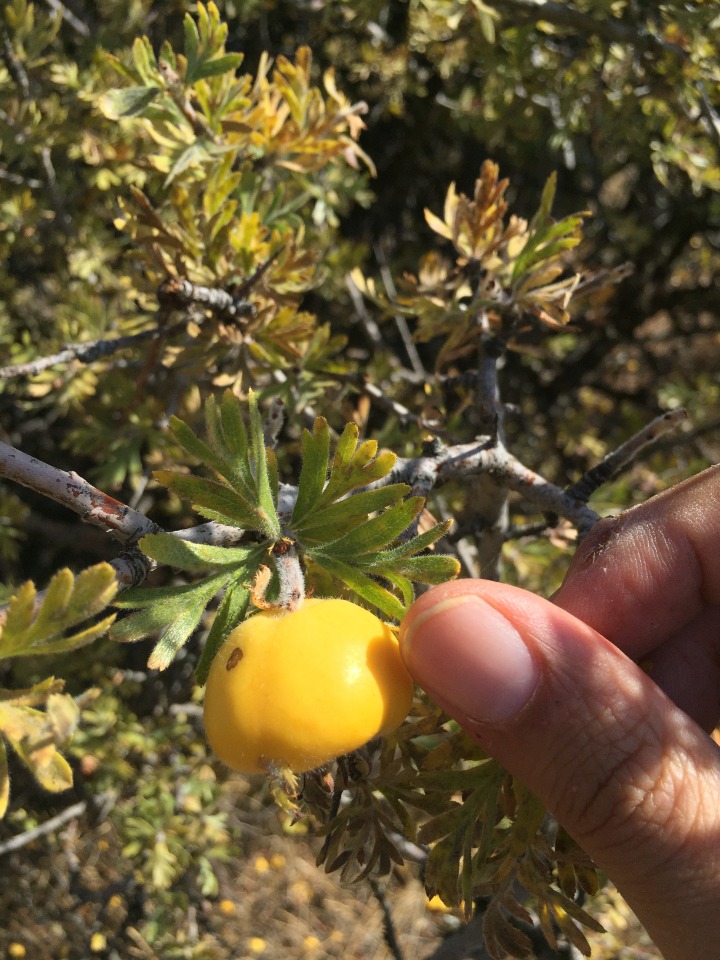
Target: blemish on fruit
234,659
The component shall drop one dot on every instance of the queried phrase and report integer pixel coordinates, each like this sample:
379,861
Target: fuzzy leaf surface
230,614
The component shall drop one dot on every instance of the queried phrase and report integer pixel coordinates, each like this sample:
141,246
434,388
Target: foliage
186,193
31,627
348,537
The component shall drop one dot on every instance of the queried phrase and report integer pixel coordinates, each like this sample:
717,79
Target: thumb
630,776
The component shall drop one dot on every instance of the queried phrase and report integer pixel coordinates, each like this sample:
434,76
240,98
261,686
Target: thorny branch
439,465
616,461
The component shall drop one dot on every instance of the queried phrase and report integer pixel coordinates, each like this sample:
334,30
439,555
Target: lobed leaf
346,514
36,734
266,503
176,611
195,557
376,532
314,470
45,627
214,500
363,585
230,614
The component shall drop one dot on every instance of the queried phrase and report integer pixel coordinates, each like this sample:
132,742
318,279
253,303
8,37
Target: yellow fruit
299,689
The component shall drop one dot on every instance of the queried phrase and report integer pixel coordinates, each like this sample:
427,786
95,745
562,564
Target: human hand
619,753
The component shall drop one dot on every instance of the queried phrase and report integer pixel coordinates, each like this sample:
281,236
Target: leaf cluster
336,525
485,835
39,720
505,274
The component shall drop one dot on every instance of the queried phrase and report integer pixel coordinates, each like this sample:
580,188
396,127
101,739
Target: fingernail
472,657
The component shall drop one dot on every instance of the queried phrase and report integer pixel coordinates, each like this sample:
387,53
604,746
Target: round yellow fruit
299,689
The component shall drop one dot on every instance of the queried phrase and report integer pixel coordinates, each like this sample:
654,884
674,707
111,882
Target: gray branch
22,839
85,352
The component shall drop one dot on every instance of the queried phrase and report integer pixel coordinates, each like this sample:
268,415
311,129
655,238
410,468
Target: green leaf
355,465
266,504
376,532
346,514
184,555
127,102
232,440
543,231
177,612
225,64
424,569
194,445
48,626
174,636
214,500
364,586
313,474
420,542
192,39
148,596
192,155
402,584
230,614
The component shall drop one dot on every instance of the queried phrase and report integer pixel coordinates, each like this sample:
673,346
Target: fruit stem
292,581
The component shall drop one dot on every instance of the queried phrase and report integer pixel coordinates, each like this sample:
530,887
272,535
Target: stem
480,457
72,491
85,352
490,498
22,839
388,923
292,581
620,458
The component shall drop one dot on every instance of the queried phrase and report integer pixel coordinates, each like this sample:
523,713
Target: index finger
639,578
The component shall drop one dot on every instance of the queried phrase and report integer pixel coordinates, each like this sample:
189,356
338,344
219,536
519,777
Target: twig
482,457
69,17
620,458
86,352
710,114
388,924
487,394
72,491
183,293
13,64
22,839
400,321
372,330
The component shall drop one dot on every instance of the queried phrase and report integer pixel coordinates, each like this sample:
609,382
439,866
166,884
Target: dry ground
72,895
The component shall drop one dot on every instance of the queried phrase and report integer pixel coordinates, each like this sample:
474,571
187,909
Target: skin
601,700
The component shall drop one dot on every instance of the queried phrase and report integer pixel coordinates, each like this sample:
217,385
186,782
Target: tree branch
72,491
78,25
85,352
483,457
620,458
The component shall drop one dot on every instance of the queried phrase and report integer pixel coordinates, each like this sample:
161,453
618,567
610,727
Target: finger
629,775
640,578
